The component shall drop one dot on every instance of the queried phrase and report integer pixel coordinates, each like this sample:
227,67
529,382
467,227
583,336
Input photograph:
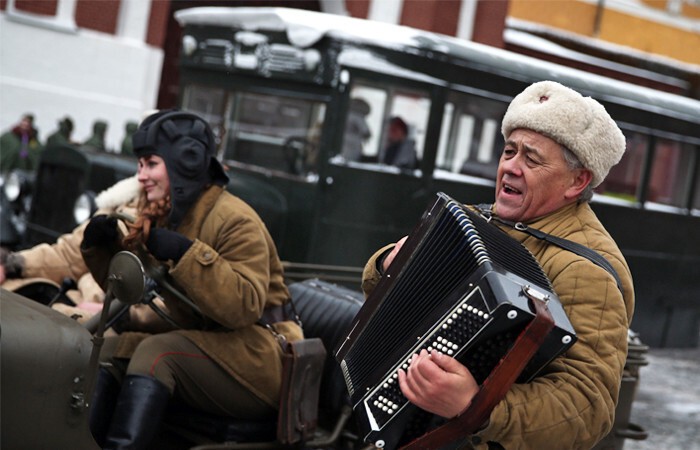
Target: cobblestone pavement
667,403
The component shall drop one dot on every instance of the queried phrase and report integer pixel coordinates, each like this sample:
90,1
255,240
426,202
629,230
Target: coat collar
550,223
191,225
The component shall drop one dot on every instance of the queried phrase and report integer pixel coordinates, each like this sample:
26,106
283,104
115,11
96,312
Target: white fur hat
579,123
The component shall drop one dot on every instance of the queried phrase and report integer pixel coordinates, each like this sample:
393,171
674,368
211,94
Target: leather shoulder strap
566,244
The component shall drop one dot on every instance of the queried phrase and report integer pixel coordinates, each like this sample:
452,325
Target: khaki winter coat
571,405
232,273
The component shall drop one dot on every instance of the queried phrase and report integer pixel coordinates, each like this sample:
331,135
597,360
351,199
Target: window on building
52,14
43,8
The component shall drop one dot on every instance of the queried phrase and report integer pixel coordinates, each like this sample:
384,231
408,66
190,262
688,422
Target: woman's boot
138,413
104,399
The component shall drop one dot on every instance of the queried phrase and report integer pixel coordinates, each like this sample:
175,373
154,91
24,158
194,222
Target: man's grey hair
574,163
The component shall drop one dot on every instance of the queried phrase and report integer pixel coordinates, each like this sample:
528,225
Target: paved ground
667,403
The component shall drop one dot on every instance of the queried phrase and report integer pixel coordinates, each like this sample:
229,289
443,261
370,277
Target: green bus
302,103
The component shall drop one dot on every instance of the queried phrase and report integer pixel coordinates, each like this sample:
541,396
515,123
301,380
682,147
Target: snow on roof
304,28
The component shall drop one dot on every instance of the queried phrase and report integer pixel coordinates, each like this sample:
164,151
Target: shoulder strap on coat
574,247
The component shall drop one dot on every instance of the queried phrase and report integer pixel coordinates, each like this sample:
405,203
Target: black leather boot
138,413
104,399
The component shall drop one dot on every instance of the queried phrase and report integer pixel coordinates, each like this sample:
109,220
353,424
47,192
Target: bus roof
304,28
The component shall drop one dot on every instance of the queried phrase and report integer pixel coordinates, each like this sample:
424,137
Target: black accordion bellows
460,286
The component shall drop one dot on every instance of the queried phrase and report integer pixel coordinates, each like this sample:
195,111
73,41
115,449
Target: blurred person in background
400,150
20,147
62,135
97,140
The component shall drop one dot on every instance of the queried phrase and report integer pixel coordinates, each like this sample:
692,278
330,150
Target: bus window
623,180
363,125
208,102
275,132
670,173
386,125
470,139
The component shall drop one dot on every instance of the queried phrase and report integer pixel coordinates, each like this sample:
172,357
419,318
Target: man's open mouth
508,189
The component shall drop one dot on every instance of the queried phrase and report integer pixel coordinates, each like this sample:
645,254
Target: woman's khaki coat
571,404
232,273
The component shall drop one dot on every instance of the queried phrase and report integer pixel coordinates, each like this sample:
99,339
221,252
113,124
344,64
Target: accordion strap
574,247
494,388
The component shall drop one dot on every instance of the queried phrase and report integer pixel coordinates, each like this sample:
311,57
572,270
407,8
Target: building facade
90,60
112,60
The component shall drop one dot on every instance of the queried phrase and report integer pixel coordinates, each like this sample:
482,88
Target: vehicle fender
44,357
41,290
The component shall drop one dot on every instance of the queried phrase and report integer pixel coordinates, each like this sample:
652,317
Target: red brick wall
490,22
44,7
358,8
97,15
158,23
439,16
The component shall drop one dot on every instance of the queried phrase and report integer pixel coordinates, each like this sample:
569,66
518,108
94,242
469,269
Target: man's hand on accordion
389,258
438,384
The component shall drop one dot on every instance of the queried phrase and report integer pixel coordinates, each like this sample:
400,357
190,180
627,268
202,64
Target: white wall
53,71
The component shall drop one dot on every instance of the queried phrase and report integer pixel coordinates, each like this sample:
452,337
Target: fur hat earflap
579,123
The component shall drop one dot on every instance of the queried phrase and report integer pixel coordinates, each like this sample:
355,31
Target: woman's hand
100,231
166,244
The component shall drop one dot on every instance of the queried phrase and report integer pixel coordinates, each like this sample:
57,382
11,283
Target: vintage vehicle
301,100
40,206
49,364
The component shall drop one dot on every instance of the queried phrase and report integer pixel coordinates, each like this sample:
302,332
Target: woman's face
153,177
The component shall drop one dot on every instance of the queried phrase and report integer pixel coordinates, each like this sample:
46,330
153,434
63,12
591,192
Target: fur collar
122,192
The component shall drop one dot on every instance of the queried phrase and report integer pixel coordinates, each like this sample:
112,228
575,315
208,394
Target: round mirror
126,277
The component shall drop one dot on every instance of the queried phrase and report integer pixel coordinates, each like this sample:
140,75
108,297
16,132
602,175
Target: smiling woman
215,251
153,175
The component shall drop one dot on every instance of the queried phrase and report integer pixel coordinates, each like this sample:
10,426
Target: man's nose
513,165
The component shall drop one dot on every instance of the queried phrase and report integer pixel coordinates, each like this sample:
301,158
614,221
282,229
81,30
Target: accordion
459,285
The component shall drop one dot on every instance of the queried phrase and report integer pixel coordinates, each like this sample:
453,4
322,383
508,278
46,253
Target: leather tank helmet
186,143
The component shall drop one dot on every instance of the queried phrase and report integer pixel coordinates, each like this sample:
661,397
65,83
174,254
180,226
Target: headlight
13,186
84,207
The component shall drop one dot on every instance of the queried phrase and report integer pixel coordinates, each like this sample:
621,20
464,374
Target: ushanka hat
579,123
186,143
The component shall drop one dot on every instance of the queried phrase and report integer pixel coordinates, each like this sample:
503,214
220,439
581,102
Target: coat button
207,256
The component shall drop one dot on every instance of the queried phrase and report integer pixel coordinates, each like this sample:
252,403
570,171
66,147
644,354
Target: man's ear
580,179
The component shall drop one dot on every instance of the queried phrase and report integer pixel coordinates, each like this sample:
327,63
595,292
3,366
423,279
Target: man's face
533,178
25,124
396,133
